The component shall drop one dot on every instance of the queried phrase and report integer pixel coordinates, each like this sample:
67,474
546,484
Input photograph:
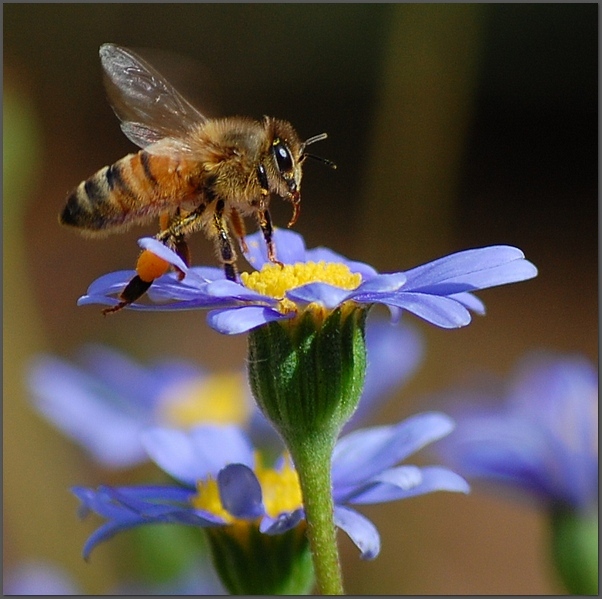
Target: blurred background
453,126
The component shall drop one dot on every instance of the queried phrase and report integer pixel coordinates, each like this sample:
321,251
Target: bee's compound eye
282,155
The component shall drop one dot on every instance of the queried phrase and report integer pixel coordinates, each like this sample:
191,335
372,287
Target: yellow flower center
217,399
280,489
275,280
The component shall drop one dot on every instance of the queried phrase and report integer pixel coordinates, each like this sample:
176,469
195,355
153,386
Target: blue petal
240,491
203,451
113,282
362,454
323,293
232,321
235,291
438,310
470,270
386,283
360,530
97,417
283,522
408,481
290,248
470,301
126,508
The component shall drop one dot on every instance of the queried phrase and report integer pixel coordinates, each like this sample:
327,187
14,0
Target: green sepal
575,550
307,374
252,563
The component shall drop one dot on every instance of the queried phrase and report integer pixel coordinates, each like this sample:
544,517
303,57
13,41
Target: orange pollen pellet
150,267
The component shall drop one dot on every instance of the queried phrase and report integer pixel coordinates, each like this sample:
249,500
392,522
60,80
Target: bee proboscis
193,173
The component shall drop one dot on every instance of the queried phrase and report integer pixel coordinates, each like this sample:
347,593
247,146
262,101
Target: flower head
539,435
224,483
441,292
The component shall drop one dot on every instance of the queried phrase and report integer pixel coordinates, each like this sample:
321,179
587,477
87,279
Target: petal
362,454
322,293
126,508
97,417
111,283
469,301
409,481
470,270
438,310
203,451
385,283
232,321
283,522
360,530
240,491
230,290
290,248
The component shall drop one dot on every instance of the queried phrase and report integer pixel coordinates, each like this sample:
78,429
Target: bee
193,173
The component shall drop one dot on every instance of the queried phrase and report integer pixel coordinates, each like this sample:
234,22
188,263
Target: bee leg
239,229
265,223
148,268
135,289
174,234
224,243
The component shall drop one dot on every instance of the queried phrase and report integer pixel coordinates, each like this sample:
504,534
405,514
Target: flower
105,400
225,485
539,435
104,405
541,441
441,292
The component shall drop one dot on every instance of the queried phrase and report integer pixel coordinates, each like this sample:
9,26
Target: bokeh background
453,126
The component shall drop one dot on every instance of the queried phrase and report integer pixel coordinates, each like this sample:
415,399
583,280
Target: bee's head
281,170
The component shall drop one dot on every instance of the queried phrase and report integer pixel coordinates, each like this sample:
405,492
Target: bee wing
149,107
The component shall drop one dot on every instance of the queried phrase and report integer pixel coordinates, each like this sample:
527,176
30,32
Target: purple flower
104,405
104,402
223,482
441,292
537,435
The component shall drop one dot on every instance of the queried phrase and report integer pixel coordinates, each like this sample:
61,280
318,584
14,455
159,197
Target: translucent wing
148,106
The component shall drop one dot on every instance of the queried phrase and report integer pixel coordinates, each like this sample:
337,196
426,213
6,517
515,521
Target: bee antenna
325,161
313,140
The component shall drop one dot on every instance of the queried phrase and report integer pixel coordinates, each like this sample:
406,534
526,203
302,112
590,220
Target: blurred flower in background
105,403
537,437
106,399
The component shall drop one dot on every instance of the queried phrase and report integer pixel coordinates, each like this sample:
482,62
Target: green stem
313,460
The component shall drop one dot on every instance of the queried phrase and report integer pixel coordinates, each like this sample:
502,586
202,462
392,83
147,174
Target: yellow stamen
281,489
218,399
208,499
275,280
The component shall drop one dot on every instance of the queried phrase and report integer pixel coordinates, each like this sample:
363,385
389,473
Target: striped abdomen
134,189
